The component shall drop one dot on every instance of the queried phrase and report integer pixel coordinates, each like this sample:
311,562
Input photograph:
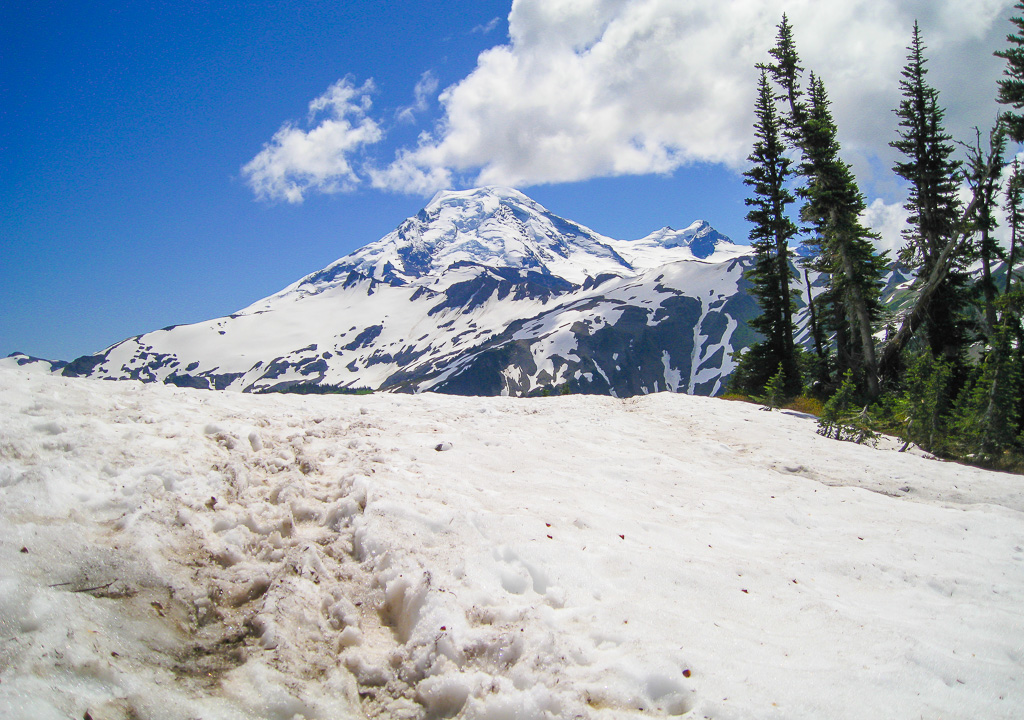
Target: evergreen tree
833,204
1011,89
786,71
1015,216
775,390
840,417
770,235
923,404
986,248
984,419
932,203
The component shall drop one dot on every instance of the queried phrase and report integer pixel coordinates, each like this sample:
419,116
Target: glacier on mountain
483,292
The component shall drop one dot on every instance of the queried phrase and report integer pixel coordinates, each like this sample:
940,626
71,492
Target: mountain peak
500,227
494,226
483,291
481,196
701,239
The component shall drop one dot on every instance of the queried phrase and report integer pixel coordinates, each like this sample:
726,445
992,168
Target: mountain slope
482,292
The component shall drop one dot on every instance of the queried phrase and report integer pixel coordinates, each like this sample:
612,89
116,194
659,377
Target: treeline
307,388
945,372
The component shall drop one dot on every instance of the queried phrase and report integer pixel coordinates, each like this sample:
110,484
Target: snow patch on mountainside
433,305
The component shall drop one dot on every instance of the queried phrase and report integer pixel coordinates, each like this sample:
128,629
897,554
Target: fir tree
921,407
833,204
1001,385
786,72
986,248
775,390
1011,89
1015,216
770,235
932,203
841,419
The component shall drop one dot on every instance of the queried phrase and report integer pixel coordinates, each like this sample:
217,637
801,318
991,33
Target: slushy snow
169,553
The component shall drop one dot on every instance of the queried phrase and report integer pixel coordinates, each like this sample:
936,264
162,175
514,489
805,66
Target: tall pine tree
1011,88
770,236
986,248
832,205
1015,216
932,202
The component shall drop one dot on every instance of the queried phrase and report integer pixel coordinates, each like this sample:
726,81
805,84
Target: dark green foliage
929,166
843,418
772,229
786,73
954,368
920,409
1015,217
985,248
934,209
832,207
315,389
775,394
985,419
550,390
1011,88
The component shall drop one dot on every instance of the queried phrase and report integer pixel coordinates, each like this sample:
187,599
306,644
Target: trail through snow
172,553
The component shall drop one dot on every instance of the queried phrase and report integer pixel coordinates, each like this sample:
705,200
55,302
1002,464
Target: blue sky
129,198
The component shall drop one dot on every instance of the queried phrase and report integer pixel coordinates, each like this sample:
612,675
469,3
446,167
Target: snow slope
173,553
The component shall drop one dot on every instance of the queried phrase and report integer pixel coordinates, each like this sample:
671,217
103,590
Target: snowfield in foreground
173,553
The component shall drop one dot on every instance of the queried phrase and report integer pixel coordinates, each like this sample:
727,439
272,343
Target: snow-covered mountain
483,292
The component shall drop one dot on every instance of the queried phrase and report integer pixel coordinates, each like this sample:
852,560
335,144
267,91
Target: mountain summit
483,291
501,227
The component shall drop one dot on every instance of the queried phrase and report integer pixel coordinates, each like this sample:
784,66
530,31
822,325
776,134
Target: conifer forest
942,366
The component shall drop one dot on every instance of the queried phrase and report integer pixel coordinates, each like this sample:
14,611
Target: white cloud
297,161
487,27
598,88
589,88
425,89
405,175
888,221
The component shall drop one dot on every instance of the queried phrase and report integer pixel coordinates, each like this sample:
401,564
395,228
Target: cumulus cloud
590,88
407,175
600,88
888,220
297,161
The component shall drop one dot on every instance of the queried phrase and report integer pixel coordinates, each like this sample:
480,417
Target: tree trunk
1011,258
819,343
861,317
988,286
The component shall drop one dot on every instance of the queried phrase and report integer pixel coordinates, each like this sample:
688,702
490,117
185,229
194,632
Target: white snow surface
169,553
